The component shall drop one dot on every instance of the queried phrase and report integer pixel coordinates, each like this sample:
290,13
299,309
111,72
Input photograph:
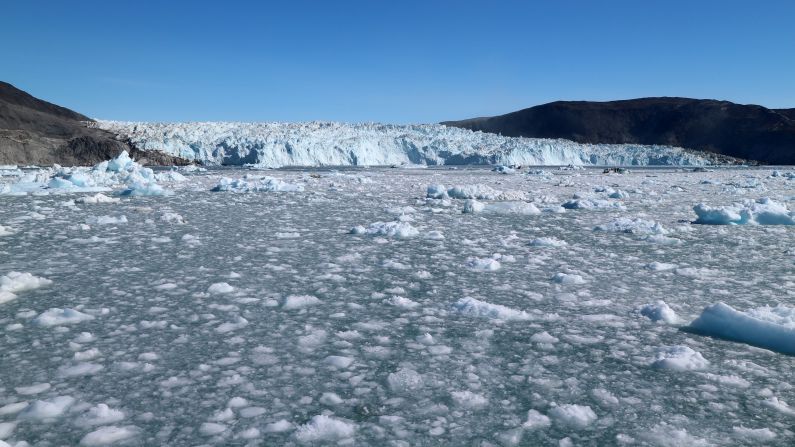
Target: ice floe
766,327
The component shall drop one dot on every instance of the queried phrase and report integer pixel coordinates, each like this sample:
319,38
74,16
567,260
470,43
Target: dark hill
37,132
745,131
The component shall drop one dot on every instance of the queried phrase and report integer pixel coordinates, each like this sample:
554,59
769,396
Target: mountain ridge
34,131
745,131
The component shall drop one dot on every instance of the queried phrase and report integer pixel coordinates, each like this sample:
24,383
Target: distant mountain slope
745,131
33,131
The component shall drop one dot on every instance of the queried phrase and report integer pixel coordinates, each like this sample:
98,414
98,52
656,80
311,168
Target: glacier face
341,144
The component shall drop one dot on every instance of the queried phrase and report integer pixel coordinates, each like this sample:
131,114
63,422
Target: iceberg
764,211
766,327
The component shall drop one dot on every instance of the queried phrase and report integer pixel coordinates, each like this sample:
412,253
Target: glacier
317,143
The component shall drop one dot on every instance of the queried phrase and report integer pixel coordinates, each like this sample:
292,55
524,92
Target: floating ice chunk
436,192
220,288
56,316
632,225
122,162
16,282
659,266
252,183
586,204
32,389
483,264
618,194
483,192
144,188
468,399
524,208
80,369
568,278
543,337
405,380
536,420
212,428
6,429
395,229
679,358
331,399
100,414
779,405
106,220
299,302
47,409
548,242
402,302
766,327
339,361
97,198
573,416
322,428
6,231
109,435
13,408
666,435
170,177
754,434
282,425
763,211
659,311
476,308
239,323
171,217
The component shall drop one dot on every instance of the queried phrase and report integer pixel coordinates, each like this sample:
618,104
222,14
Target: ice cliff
341,144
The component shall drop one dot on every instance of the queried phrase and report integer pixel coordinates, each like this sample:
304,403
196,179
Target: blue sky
400,61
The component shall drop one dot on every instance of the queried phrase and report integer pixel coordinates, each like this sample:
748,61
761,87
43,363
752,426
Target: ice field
401,307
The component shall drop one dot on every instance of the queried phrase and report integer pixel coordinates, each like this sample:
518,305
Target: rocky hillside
37,132
745,131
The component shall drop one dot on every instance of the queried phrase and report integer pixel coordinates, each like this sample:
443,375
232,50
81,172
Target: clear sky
389,61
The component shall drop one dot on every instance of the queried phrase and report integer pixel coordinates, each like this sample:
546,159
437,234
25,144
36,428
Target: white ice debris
327,143
109,435
325,429
632,225
106,220
763,211
105,176
525,208
299,302
469,400
568,279
767,327
573,415
536,420
220,288
483,264
477,308
547,242
13,283
659,311
100,414
47,409
56,317
679,358
394,229
97,198
254,183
